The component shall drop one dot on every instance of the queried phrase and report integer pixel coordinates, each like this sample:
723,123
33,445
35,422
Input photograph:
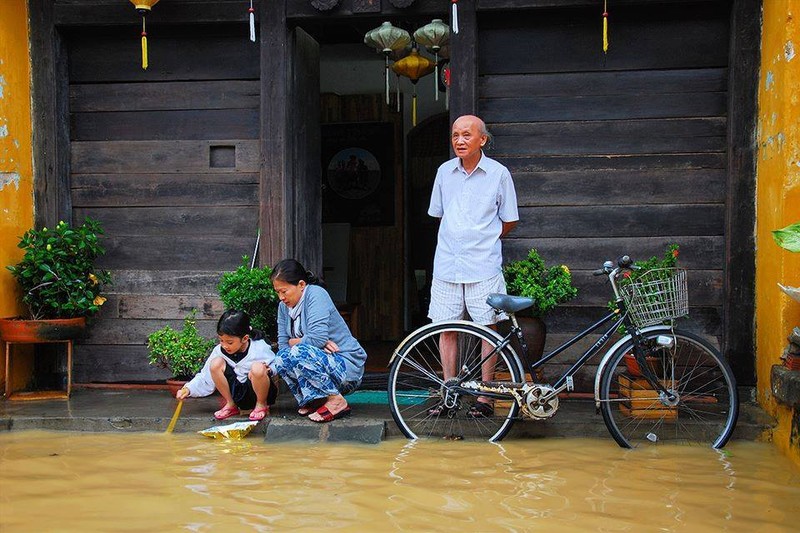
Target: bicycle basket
657,296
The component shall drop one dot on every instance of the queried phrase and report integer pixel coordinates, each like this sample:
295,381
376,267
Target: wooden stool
38,395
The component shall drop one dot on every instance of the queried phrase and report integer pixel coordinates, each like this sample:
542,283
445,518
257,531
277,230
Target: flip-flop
226,412
312,406
327,416
259,413
481,409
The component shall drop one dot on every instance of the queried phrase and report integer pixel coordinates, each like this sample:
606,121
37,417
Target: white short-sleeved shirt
473,208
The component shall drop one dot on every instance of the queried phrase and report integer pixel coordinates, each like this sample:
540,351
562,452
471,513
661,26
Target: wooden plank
740,216
185,252
134,332
683,127
166,95
50,141
274,145
90,157
620,221
604,107
631,83
160,306
165,125
696,252
503,5
626,187
302,9
464,62
538,163
168,222
644,38
164,282
570,319
113,12
152,190
114,363
106,55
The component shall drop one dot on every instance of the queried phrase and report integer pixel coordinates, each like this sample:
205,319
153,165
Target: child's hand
331,347
182,393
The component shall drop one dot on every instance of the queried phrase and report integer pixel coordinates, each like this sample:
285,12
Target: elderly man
474,198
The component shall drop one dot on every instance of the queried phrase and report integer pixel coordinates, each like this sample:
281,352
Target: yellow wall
777,199
16,168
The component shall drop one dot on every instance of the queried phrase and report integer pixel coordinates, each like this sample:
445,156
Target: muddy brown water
186,482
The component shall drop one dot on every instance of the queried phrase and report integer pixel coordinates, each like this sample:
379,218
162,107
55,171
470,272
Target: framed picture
358,173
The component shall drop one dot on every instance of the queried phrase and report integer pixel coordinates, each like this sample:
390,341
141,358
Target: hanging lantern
413,67
386,39
143,7
434,36
397,55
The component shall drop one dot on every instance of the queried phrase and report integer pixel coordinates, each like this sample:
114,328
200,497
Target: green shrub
183,352
57,274
548,286
788,237
250,290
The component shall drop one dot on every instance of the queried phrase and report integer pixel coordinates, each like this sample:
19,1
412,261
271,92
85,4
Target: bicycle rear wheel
424,404
706,402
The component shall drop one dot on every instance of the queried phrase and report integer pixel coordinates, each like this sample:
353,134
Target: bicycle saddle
511,304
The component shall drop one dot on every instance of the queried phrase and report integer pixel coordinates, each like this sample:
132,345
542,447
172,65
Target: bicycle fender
604,361
401,347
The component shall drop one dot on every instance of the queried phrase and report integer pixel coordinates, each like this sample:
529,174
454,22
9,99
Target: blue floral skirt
311,372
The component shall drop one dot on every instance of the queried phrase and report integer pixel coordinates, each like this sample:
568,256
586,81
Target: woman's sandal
259,413
481,410
327,416
311,406
226,412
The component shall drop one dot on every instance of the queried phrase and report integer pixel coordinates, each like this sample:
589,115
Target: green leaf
788,237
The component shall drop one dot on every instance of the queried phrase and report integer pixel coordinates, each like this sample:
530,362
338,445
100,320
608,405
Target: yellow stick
171,425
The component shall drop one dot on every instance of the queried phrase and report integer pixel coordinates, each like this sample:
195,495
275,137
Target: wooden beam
274,211
463,62
738,310
302,9
50,97
504,5
117,12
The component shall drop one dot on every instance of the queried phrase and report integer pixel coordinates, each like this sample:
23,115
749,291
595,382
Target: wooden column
463,62
50,120
738,309
274,211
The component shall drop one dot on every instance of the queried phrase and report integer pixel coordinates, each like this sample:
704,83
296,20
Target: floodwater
154,482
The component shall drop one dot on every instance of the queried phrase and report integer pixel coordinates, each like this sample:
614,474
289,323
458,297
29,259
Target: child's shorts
243,394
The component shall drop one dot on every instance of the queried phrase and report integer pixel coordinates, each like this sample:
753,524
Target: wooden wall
616,154
168,160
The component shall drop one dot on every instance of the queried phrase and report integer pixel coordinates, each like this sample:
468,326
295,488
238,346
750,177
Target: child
318,357
238,368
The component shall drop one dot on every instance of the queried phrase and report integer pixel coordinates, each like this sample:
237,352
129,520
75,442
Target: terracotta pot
175,384
535,331
56,329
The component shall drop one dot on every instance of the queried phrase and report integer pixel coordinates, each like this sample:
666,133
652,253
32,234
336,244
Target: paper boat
793,292
237,430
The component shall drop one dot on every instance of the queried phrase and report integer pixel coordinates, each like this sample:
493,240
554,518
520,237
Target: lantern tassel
252,22
398,93
436,77
386,77
144,46
414,107
605,28
455,16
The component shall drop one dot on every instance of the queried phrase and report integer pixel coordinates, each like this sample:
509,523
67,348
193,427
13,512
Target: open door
304,201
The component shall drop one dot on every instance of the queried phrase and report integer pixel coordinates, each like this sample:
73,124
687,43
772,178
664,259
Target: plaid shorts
451,301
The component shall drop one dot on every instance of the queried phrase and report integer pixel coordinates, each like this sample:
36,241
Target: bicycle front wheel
426,403
702,403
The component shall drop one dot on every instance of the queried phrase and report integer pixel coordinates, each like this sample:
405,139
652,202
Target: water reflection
69,482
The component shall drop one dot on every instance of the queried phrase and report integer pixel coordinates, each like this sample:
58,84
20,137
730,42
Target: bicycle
656,383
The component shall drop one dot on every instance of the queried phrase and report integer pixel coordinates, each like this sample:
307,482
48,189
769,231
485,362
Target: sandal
258,413
327,416
481,410
311,406
436,410
226,412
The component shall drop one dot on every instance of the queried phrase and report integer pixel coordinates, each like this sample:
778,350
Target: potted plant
548,286
59,281
250,290
183,352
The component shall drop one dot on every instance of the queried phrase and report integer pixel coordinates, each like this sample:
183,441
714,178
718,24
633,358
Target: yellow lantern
413,67
143,7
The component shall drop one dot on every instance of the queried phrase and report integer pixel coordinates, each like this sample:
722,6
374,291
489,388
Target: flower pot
175,384
56,329
633,366
535,331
